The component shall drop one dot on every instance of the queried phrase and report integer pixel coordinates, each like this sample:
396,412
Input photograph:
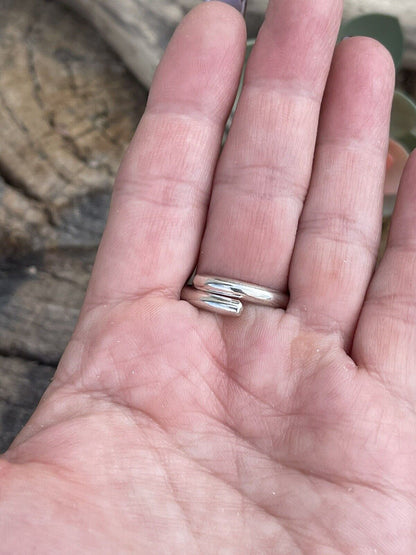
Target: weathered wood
139,30
22,383
40,297
68,108
24,222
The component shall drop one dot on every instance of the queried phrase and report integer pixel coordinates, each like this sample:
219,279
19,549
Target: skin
172,430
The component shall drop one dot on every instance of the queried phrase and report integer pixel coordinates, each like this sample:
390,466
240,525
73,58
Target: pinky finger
385,339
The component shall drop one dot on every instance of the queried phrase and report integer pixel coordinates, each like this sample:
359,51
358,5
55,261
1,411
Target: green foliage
384,28
403,120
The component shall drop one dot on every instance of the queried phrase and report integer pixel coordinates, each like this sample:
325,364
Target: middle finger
264,170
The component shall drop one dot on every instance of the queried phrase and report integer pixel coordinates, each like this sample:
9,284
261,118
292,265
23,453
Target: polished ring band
226,296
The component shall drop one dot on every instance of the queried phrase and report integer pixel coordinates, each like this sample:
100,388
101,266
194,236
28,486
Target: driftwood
139,30
68,108
40,298
22,383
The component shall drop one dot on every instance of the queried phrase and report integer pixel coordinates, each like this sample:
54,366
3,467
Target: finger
339,231
162,190
264,170
385,340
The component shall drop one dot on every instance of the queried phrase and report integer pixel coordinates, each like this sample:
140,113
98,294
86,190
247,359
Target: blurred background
74,76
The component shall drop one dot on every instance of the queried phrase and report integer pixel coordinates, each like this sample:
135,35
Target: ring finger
263,173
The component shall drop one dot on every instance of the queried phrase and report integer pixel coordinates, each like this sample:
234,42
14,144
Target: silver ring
225,296
212,302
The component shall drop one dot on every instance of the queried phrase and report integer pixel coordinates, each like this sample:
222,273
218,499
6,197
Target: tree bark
139,30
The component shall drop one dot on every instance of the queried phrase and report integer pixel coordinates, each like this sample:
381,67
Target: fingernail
239,5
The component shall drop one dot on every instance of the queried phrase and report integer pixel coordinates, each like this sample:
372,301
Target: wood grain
68,108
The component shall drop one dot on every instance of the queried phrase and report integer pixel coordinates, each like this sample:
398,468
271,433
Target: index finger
162,191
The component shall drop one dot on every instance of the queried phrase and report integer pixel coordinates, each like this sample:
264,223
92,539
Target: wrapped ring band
226,296
211,302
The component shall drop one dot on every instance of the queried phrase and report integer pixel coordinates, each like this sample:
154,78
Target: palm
281,431
303,455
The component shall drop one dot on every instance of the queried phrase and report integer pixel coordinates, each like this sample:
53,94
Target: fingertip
203,60
362,81
403,226
373,63
217,17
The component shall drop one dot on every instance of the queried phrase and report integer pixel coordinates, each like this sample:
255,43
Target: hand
172,430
